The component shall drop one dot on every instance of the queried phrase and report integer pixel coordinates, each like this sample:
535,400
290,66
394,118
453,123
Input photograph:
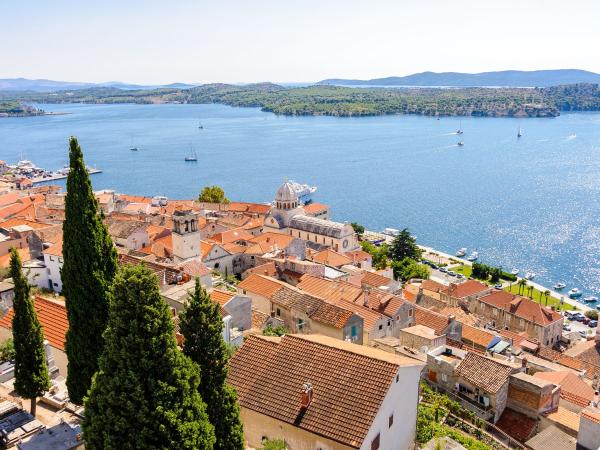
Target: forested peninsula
346,101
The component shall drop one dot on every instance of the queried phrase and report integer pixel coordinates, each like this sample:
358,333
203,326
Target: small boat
519,132
200,126
598,307
559,286
460,143
134,149
529,276
192,156
590,299
515,271
473,256
459,131
575,293
461,252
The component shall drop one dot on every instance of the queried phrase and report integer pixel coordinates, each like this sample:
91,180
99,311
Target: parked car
443,269
451,273
583,333
498,286
460,276
593,324
585,320
578,317
433,266
566,327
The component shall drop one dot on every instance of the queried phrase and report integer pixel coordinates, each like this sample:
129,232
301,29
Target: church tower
285,206
186,235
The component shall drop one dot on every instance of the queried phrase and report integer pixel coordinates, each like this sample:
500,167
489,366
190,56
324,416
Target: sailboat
192,156
133,148
519,132
459,131
200,126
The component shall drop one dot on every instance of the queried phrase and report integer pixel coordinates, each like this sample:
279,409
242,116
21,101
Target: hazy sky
163,41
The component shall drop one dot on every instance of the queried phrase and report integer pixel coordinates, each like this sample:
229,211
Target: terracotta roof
370,317
332,315
477,336
374,279
330,290
237,234
591,413
53,318
313,208
16,222
269,240
331,258
572,388
591,354
380,301
269,269
359,256
431,319
565,417
469,287
260,285
259,319
54,250
221,297
521,307
483,372
516,425
434,286
124,228
464,317
194,268
24,253
252,208
268,375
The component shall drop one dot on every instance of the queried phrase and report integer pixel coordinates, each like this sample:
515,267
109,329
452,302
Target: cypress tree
89,267
31,370
201,325
145,393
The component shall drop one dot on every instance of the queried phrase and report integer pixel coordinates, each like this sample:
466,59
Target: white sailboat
192,156
459,131
519,132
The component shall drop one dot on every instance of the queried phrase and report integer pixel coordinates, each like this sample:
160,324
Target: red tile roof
314,208
516,425
476,336
374,280
260,285
268,375
469,287
221,297
572,388
331,258
435,321
483,372
521,307
53,318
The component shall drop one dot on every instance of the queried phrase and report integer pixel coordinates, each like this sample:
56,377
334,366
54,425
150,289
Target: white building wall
53,266
589,434
401,401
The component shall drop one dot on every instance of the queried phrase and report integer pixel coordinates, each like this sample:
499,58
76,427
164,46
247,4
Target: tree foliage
408,268
201,324
145,393
31,370
404,246
591,314
279,330
212,194
358,228
7,350
89,266
379,254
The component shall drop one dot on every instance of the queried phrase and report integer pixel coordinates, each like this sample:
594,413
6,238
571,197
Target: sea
531,203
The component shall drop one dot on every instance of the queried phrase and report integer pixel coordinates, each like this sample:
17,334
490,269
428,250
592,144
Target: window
278,312
244,291
353,331
443,377
51,258
375,443
397,378
410,313
381,327
391,420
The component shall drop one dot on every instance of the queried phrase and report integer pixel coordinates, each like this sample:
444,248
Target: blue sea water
531,203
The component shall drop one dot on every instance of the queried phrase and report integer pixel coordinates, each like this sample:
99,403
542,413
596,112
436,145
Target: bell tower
186,235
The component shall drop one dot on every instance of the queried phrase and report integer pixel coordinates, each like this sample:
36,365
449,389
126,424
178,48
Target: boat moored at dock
575,293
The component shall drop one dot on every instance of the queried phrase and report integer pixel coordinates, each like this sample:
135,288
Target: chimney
451,318
366,297
306,395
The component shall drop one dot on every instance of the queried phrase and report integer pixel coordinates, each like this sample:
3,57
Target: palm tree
546,294
522,285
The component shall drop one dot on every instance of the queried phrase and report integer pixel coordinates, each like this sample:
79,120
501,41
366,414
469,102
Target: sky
160,41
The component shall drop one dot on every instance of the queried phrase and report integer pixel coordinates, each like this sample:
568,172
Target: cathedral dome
286,193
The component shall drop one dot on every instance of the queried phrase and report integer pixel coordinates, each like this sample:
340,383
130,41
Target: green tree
546,294
212,194
31,370
495,274
275,331
7,350
408,268
379,255
201,324
404,246
145,393
90,263
591,314
358,228
522,285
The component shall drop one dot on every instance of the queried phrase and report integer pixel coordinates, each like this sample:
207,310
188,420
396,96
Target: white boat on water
520,132
590,299
192,156
303,191
460,143
529,276
461,252
515,271
459,131
575,293
473,256
559,286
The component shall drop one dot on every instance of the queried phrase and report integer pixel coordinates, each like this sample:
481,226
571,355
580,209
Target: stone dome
286,193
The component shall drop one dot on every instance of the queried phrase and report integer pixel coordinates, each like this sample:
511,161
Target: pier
62,176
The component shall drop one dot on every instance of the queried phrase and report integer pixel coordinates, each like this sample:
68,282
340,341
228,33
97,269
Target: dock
55,177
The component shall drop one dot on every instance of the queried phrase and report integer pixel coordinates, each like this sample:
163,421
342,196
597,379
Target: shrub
591,314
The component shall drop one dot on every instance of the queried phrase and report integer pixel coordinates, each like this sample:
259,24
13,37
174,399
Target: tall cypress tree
31,370
145,393
89,267
201,325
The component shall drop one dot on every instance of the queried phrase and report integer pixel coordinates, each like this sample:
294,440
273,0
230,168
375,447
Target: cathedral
287,216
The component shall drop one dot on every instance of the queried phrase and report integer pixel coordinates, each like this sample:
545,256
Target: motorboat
520,132
459,131
460,143
590,299
461,252
559,286
529,276
473,256
575,293
515,271
134,149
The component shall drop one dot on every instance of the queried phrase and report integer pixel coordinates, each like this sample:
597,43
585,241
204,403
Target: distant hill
505,78
24,84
